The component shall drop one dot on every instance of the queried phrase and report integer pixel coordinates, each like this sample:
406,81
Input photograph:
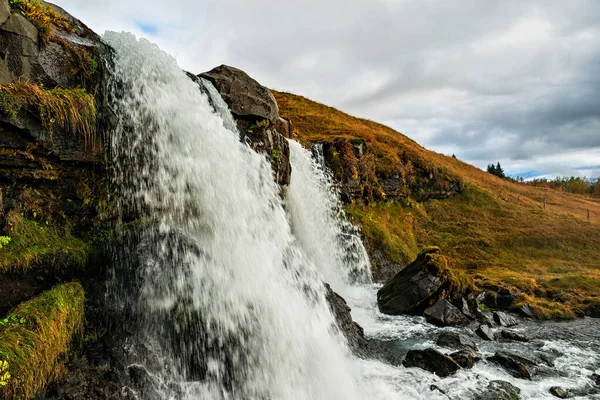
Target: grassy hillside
496,231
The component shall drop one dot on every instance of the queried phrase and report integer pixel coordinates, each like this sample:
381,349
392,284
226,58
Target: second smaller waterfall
319,223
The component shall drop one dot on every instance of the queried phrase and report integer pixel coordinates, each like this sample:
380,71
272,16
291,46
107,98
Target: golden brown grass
495,230
43,17
35,336
70,109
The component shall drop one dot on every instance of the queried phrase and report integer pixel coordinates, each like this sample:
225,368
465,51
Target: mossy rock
39,245
36,335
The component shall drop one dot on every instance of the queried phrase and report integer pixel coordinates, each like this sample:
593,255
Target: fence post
544,203
588,214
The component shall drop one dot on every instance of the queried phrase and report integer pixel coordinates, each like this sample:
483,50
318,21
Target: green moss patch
35,336
35,244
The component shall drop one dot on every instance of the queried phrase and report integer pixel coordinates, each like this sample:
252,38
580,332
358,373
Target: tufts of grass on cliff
32,244
73,110
35,336
496,231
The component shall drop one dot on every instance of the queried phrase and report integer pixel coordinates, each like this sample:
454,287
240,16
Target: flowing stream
228,294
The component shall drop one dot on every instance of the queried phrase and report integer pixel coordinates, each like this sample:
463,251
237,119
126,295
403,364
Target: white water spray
235,308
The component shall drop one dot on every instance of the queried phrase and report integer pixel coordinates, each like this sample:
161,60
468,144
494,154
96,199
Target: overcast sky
510,81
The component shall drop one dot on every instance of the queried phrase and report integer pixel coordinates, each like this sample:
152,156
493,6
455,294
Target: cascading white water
319,223
233,306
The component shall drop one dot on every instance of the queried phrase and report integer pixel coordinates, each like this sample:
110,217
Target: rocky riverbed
557,359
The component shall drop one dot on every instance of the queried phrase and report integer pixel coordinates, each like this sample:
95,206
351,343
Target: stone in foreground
512,363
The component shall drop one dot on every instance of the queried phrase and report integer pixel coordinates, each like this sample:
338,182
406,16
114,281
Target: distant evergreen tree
496,170
500,171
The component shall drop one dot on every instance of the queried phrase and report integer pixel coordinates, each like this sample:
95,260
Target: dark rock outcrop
512,335
353,332
485,332
245,97
526,311
257,116
499,390
443,313
456,340
417,286
505,320
465,358
431,360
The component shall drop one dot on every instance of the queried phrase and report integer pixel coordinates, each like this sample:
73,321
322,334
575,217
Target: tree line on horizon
569,184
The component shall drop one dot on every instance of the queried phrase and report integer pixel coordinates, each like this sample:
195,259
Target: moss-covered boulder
35,336
422,283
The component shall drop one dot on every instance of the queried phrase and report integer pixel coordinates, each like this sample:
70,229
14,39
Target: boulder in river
410,291
505,320
499,390
485,332
559,392
456,340
431,360
443,313
513,364
466,358
512,335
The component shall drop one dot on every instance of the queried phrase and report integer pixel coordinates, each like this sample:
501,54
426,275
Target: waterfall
226,298
319,223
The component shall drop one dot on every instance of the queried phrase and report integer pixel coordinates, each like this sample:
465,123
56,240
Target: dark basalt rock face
353,332
431,360
443,313
416,287
56,178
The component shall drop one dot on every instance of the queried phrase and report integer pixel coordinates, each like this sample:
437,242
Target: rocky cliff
58,219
